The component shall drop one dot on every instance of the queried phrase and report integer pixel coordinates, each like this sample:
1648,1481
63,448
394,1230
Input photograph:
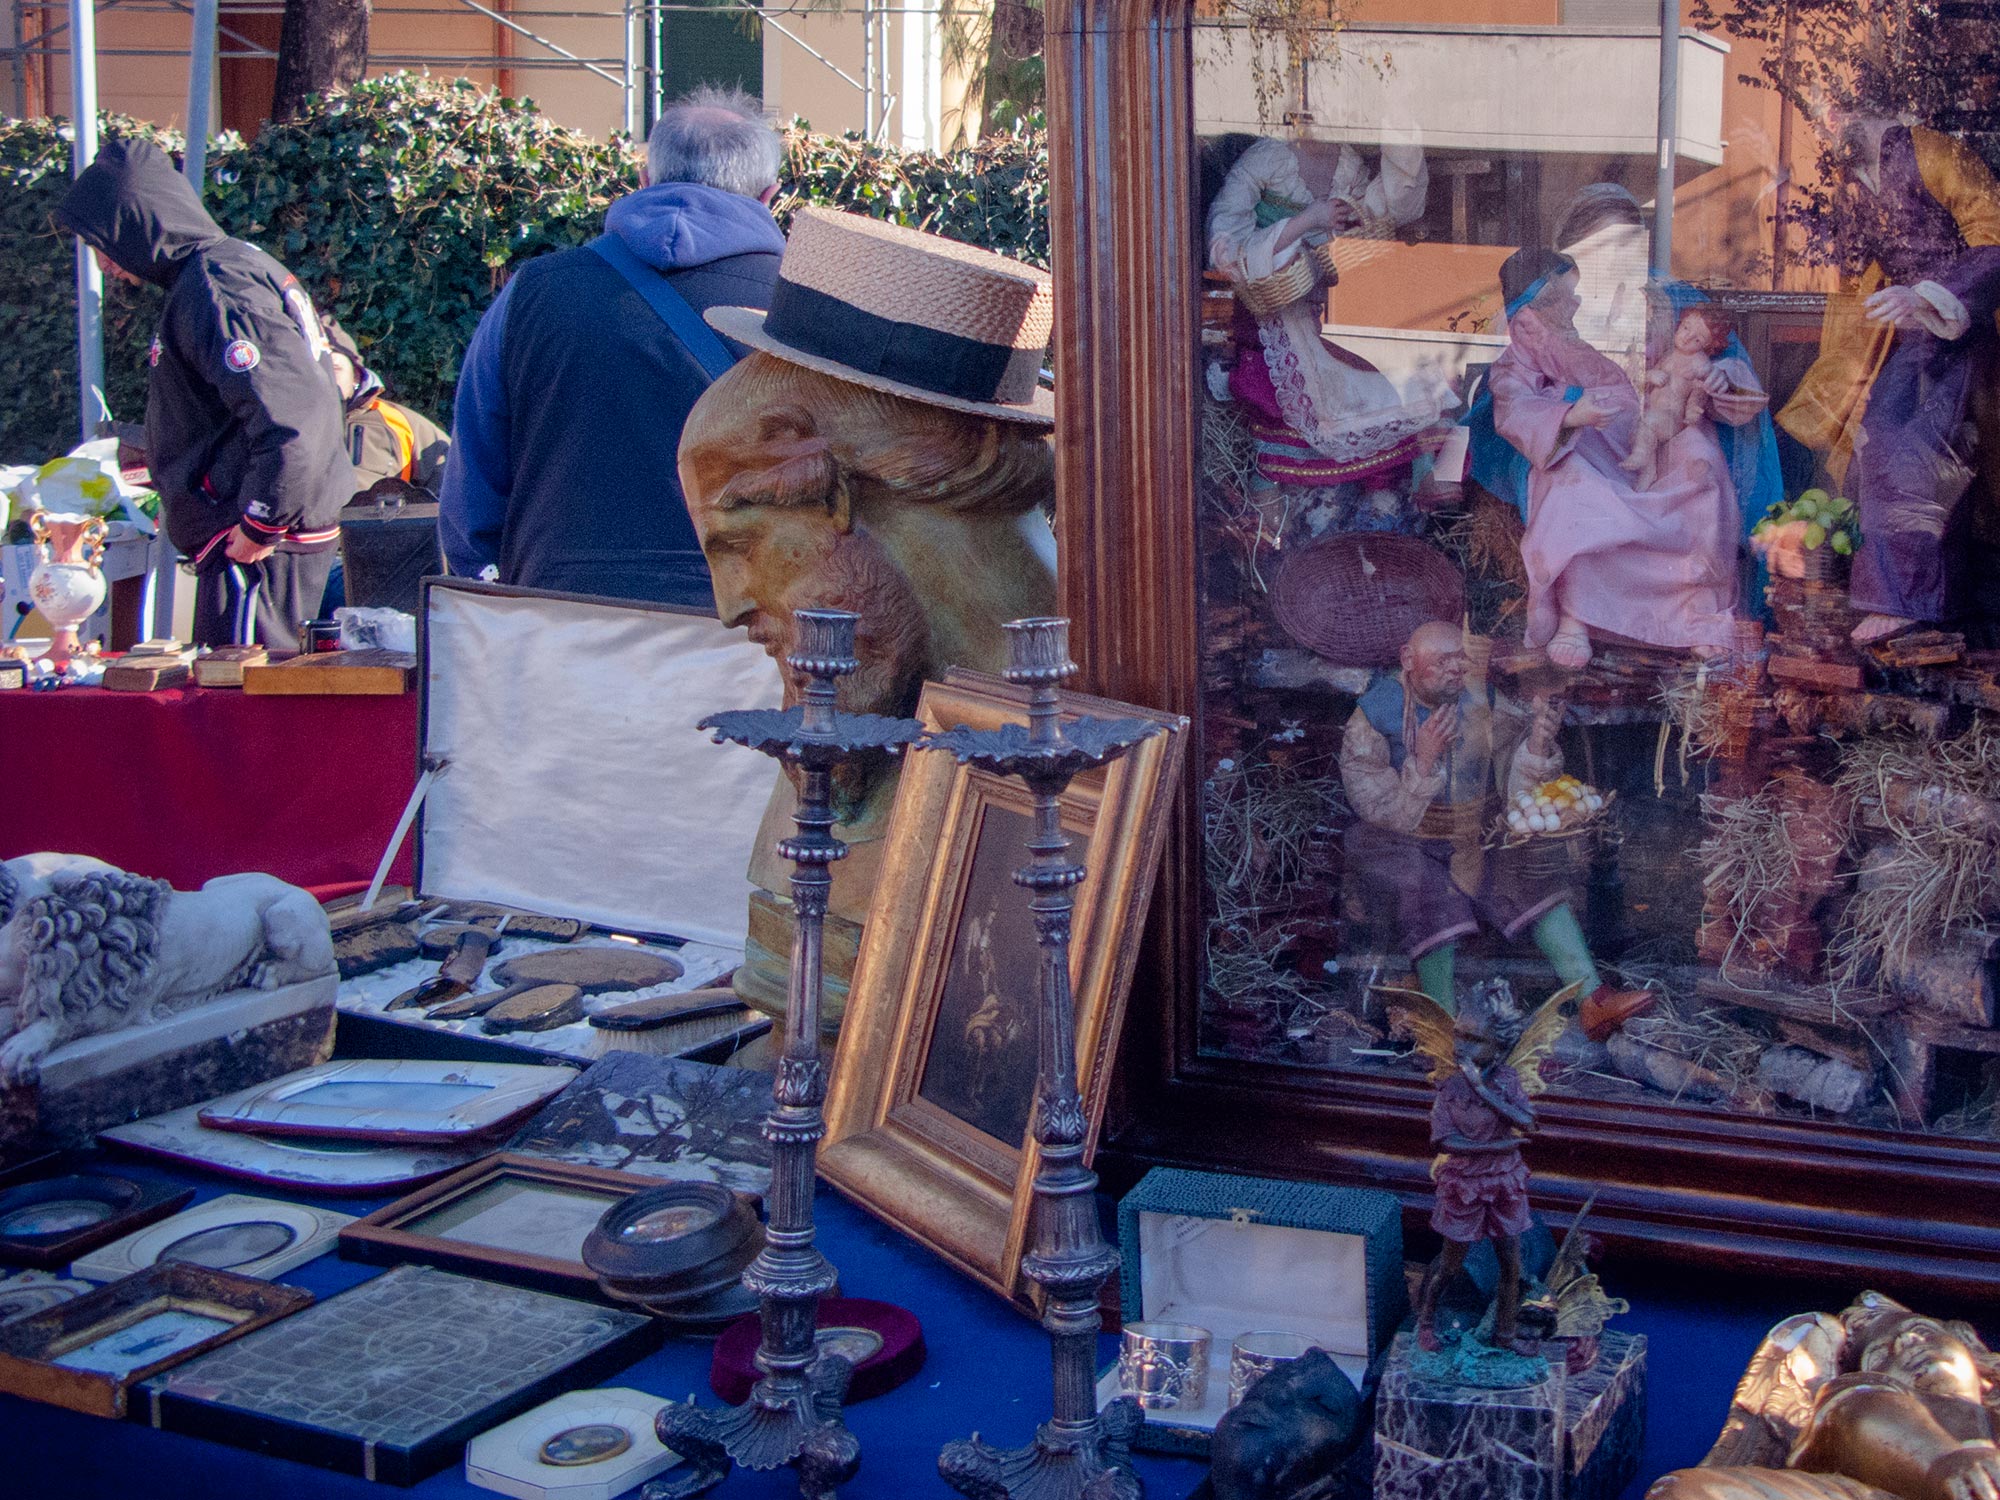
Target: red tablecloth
193,783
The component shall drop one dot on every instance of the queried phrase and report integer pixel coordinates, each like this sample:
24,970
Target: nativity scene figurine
1429,757
1894,402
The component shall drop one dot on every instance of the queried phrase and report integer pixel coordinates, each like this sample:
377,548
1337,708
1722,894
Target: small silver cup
1164,1365
1259,1352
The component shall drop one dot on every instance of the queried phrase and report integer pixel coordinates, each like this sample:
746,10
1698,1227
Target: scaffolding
40,31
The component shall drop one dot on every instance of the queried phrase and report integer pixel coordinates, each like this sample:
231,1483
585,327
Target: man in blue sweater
581,373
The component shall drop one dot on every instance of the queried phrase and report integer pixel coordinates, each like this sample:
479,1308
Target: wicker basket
1270,295
1824,565
1354,598
1321,256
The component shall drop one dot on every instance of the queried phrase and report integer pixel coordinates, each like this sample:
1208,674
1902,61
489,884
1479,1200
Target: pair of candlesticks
793,1416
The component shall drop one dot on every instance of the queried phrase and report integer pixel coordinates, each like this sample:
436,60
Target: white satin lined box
567,777
1236,1255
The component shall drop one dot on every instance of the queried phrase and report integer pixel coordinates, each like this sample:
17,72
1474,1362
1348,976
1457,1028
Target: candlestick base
787,1420
1091,1462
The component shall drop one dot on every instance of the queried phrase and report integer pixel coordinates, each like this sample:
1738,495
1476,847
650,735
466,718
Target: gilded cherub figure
1878,1403
1486,1063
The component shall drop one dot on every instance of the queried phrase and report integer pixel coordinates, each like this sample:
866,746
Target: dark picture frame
33,1350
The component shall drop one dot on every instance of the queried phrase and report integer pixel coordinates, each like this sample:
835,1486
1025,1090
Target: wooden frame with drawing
927,1117
507,1217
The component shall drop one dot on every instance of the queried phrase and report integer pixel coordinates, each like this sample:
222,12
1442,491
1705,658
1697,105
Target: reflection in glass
1532,645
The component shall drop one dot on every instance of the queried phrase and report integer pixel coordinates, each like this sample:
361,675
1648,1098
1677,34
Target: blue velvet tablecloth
987,1372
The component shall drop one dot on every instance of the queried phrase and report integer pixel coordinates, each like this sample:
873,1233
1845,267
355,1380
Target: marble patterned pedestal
217,1047
1568,1438
1604,1409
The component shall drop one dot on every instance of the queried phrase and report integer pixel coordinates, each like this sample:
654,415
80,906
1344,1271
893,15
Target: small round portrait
56,1216
591,1443
852,1344
226,1246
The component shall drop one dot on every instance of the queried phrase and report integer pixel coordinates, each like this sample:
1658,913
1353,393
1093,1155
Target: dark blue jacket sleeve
472,503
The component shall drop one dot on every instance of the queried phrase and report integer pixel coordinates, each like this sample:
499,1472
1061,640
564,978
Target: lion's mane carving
92,942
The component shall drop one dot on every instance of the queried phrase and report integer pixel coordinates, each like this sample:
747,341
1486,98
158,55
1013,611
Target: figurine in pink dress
1655,566
1676,389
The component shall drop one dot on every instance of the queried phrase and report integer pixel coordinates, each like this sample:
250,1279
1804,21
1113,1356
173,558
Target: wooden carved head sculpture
930,523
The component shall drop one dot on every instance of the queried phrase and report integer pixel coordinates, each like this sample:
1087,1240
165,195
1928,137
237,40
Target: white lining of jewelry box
1234,1279
566,773
507,1458
314,1231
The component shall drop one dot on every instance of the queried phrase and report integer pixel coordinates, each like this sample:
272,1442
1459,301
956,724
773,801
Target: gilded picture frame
927,1114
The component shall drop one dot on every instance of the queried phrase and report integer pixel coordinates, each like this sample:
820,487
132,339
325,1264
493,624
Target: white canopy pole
201,83
89,284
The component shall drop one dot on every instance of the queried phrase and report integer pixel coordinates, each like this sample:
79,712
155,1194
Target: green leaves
401,205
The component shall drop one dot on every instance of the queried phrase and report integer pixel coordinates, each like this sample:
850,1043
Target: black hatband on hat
948,364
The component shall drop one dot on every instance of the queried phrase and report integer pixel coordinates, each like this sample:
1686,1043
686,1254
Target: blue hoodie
571,399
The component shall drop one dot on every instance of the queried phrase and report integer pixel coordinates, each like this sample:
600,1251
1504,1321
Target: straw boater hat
906,312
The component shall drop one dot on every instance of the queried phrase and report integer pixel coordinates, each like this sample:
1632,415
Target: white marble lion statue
86,948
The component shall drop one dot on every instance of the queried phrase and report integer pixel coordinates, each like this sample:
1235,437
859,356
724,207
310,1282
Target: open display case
1237,1255
563,775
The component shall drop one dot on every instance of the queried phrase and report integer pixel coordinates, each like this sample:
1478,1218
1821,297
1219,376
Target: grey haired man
576,384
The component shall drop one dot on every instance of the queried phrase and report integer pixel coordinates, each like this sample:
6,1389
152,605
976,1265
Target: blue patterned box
1240,1254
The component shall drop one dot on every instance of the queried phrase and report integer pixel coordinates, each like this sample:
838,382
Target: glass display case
1559,476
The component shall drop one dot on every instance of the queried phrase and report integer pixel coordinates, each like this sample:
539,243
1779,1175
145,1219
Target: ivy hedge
402,205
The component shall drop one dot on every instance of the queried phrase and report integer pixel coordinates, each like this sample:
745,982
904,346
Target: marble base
1572,1437
1605,1412
230,1043
1445,1442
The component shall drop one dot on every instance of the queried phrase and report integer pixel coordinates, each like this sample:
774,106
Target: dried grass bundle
1750,858
1486,540
1689,703
1262,819
1235,501
1936,800
1706,1038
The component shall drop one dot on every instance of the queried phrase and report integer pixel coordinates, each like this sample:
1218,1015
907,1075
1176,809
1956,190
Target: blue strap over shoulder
686,325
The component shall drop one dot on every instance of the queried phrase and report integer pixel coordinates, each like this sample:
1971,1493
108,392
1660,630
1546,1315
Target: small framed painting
409,1101
89,1352
928,1110
50,1221
514,1218
390,1379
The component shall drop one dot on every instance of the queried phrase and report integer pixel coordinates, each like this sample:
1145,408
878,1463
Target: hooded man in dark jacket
243,422
575,387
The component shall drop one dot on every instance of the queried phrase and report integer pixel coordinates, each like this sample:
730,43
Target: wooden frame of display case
1767,1194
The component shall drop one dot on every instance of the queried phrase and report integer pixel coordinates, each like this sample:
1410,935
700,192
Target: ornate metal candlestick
1077,1452
793,1414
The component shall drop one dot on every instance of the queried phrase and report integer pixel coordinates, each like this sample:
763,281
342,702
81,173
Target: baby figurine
1676,389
